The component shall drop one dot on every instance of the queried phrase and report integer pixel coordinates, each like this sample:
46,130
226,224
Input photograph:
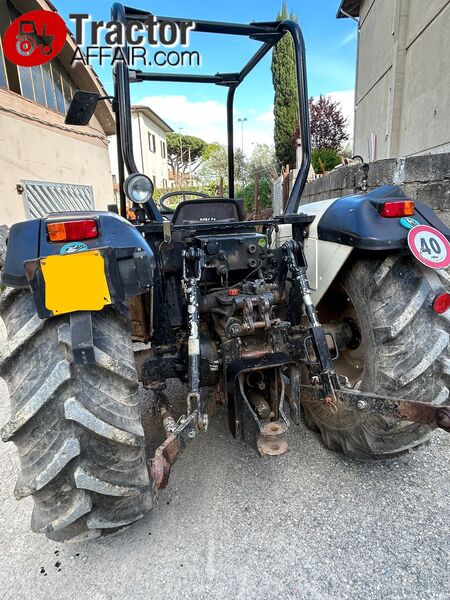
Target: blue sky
331,49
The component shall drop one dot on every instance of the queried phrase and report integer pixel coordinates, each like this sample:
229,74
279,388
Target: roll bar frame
269,33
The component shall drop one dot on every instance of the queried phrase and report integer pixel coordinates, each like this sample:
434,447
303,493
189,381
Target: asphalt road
309,525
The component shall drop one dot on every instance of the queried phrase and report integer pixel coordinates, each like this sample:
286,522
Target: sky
200,109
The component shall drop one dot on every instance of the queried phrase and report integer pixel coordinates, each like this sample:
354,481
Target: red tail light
397,209
441,303
72,231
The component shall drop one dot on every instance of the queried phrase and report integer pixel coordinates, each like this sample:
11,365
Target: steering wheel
184,195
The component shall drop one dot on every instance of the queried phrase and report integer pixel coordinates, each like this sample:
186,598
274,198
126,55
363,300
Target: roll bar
269,34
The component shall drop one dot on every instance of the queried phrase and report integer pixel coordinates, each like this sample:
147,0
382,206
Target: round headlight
138,188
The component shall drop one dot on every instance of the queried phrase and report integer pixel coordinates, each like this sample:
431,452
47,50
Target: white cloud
266,117
349,38
207,120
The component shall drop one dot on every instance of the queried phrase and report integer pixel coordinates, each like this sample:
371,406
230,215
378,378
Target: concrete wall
424,178
403,83
35,144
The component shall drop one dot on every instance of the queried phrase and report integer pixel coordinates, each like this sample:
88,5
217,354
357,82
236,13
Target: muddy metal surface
310,524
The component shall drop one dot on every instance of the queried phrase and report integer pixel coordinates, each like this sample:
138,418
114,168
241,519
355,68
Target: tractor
333,313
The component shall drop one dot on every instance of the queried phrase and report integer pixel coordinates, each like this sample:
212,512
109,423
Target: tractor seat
208,210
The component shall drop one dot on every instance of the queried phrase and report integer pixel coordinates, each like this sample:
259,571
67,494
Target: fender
356,222
343,224
129,260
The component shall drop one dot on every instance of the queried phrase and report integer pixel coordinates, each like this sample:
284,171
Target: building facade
45,164
149,146
403,77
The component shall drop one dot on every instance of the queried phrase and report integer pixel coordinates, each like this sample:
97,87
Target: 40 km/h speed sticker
429,246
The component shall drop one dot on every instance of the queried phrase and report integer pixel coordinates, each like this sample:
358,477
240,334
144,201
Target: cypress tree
286,96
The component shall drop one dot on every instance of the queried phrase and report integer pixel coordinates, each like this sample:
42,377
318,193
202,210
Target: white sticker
429,246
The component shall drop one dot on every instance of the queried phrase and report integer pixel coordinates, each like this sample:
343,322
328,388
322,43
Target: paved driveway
311,524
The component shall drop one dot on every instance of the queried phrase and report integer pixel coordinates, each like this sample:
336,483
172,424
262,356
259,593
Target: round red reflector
441,303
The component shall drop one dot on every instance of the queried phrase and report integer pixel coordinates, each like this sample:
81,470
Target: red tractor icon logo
28,39
35,38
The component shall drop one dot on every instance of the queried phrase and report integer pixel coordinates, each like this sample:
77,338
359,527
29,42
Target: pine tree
286,96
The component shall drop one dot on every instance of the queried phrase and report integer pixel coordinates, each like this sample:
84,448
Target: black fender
355,221
130,260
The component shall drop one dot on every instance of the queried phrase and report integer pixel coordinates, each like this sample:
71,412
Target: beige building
46,165
403,77
149,146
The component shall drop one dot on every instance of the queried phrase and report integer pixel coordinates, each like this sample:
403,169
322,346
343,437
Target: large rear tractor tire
400,348
77,428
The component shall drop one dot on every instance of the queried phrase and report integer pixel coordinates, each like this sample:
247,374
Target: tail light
396,209
441,303
72,231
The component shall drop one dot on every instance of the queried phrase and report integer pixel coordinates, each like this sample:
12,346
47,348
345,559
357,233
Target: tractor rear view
330,313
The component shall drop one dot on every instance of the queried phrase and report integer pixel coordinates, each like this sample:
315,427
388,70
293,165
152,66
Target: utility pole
190,168
256,204
242,121
181,151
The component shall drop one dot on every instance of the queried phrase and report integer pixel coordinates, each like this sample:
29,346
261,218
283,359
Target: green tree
183,151
210,149
263,161
286,95
325,159
216,166
265,194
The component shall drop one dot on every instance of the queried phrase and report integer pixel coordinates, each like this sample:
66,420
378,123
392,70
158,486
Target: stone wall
425,178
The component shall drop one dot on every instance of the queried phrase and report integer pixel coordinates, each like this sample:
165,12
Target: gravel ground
311,525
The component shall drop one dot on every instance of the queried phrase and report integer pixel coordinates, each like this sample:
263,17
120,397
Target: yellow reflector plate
75,282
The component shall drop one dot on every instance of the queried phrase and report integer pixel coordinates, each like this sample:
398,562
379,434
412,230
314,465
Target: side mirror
82,108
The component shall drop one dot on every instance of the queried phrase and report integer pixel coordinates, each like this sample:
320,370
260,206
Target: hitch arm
396,408
295,262
193,263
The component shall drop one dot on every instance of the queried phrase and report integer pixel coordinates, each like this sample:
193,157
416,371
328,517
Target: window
164,182
49,84
151,142
163,149
3,80
38,85
56,73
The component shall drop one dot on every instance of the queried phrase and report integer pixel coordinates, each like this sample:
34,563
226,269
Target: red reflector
397,209
441,303
72,231
233,292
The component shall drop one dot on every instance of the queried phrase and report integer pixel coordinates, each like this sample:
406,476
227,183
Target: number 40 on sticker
429,246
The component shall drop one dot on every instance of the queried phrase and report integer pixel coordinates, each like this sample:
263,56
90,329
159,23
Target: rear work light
397,209
72,231
441,303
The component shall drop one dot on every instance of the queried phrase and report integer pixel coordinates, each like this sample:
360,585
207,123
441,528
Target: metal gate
42,197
